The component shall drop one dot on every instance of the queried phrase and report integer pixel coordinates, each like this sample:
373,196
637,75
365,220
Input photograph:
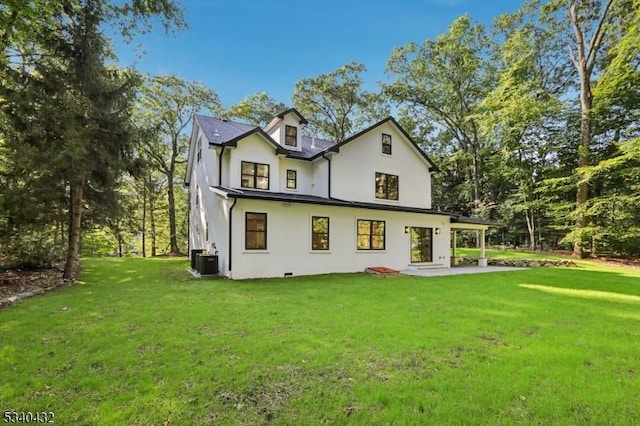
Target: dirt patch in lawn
17,285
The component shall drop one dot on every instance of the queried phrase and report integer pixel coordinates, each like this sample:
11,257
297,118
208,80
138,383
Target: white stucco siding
304,172
355,166
278,133
320,178
289,240
253,149
203,175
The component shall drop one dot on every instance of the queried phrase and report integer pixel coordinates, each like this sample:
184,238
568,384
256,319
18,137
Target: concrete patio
458,270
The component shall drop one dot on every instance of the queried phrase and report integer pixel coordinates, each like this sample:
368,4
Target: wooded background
532,120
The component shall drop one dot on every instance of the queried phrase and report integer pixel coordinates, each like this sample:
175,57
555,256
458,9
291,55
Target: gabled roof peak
293,111
279,117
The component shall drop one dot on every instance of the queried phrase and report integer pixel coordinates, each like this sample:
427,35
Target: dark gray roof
475,221
312,199
311,146
218,131
296,112
226,132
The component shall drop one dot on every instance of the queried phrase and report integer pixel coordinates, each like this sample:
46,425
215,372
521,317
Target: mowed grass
140,342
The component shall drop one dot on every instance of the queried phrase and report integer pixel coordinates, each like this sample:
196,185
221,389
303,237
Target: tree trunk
531,227
172,215
75,223
582,193
585,61
144,218
119,244
152,220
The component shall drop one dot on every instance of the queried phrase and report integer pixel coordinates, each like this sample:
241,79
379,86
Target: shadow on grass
568,281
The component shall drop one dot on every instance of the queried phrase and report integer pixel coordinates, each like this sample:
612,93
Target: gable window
386,144
386,186
292,179
199,155
254,175
421,246
371,234
255,231
319,233
290,135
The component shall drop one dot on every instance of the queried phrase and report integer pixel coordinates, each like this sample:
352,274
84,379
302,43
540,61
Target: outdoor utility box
208,264
194,253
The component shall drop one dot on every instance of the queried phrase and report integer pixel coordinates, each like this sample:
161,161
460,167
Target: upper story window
292,179
199,155
254,175
290,135
197,195
386,186
386,144
371,234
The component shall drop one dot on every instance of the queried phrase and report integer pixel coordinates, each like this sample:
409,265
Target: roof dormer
286,129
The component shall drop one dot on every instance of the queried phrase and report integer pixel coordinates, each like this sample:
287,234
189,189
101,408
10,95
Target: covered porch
463,223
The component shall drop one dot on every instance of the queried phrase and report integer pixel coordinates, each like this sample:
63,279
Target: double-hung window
254,175
292,179
290,135
319,233
255,231
386,144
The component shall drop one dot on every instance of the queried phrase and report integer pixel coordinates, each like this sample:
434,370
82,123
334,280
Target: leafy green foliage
65,118
259,109
336,105
164,113
442,83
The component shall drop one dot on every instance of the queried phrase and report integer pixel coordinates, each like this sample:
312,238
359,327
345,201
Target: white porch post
482,261
454,246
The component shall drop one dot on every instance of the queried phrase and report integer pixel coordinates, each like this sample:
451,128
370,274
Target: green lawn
141,342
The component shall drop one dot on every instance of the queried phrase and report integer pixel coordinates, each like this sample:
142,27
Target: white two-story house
273,202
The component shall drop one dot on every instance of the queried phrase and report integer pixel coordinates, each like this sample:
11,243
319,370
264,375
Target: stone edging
519,263
15,298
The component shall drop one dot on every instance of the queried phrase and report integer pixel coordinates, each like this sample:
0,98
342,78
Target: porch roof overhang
466,223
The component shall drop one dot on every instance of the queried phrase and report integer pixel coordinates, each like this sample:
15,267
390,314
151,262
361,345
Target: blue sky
240,47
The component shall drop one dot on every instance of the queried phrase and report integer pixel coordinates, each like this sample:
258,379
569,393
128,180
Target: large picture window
386,186
371,234
421,245
254,175
319,233
290,135
255,231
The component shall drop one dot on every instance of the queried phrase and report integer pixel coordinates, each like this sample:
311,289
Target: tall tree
520,112
444,82
614,177
587,23
258,108
336,103
166,107
66,112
